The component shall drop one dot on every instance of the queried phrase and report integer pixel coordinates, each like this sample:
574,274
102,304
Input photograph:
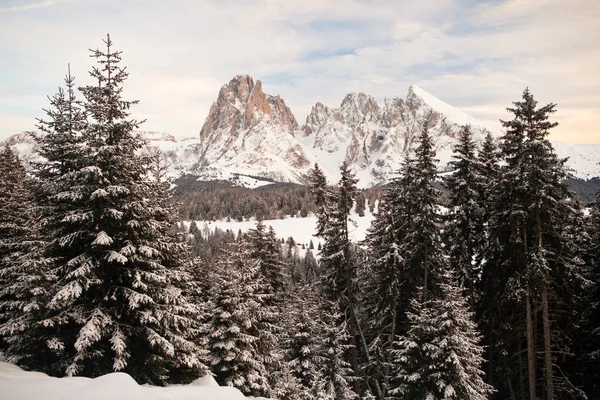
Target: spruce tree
118,304
236,355
405,254
464,228
422,250
532,273
336,372
383,280
440,356
61,142
303,339
487,169
590,343
337,263
263,246
24,277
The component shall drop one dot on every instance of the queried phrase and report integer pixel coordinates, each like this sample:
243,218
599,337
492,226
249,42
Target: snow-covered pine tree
487,169
405,253
61,142
337,376
117,304
382,279
337,263
264,246
61,145
422,250
322,197
591,316
235,353
24,277
287,386
464,227
532,273
440,356
303,336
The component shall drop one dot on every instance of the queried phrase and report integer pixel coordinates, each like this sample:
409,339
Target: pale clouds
478,56
30,5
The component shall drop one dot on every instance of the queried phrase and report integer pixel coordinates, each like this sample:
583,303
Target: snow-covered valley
302,230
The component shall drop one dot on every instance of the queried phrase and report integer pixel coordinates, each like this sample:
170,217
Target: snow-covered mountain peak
249,131
417,98
358,106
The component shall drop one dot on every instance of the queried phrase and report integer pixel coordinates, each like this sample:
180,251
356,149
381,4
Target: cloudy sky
475,55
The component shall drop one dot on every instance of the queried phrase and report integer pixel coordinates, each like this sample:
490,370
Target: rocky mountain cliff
251,132
248,132
374,139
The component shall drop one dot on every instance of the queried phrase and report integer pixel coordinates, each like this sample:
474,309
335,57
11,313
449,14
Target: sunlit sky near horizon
476,55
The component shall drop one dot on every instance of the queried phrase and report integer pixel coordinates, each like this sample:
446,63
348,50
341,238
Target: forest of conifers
492,293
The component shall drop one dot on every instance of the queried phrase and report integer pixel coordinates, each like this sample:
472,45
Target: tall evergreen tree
440,356
383,279
590,343
464,229
338,264
61,143
263,246
235,353
405,254
488,169
303,339
118,304
533,262
24,277
336,372
422,248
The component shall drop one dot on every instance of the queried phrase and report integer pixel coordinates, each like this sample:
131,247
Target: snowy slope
584,159
16,384
451,113
302,230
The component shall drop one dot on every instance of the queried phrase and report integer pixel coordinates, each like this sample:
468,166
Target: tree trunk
425,270
490,349
365,347
530,349
545,317
547,346
354,355
388,353
521,375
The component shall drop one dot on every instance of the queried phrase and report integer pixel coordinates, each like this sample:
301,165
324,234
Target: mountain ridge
250,132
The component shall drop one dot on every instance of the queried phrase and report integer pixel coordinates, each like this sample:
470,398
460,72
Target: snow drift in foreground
16,384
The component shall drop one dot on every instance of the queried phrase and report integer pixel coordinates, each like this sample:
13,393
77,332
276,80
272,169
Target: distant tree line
212,201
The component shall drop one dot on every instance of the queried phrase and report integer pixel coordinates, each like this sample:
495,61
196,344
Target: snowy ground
302,230
16,384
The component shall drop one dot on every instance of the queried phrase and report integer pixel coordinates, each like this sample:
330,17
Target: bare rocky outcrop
251,132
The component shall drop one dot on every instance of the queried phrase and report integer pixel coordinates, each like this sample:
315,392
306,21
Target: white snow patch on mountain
252,133
451,113
584,159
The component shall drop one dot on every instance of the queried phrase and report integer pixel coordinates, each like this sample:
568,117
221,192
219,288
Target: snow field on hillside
302,230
